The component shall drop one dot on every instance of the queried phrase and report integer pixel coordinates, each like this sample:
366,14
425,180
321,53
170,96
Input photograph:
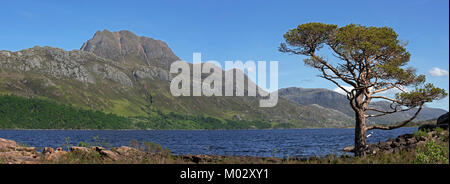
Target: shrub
432,153
420,133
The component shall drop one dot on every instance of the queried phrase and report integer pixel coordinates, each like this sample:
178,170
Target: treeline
22,113
172,120
30,113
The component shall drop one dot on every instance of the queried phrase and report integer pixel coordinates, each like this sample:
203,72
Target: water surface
280,143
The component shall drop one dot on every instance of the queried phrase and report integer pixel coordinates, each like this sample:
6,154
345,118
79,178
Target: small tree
369,59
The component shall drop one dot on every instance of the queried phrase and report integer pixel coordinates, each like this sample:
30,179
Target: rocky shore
408,142
405,142
13,153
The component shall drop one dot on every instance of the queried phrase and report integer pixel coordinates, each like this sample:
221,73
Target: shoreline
402,149
191,129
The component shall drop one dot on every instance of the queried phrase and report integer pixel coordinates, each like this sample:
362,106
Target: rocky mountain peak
128,48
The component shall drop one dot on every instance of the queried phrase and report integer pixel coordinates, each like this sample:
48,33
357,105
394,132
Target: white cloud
390,92
341,91
437,72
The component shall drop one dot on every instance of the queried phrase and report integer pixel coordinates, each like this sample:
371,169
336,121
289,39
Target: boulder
7,145
349,149
411,141
395,145
56,156
48,150
442,121
109,154
82,150
372,149
26,149
124,150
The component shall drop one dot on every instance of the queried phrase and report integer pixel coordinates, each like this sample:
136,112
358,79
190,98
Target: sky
233,29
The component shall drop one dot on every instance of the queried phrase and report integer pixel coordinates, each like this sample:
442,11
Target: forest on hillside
31,113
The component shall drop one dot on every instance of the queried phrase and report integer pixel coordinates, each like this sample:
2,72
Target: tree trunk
360,126
360,133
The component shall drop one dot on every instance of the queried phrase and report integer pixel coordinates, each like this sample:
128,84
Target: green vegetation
22,113
420,133
432,153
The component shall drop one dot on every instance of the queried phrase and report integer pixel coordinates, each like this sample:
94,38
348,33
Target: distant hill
333,100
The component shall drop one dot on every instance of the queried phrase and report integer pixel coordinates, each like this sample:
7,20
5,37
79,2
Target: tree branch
334,70
385,112
381,127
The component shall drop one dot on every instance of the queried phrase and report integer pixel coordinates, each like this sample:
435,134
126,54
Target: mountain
333,100
126,75
127,48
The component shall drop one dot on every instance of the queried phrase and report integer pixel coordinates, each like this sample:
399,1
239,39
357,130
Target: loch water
279,143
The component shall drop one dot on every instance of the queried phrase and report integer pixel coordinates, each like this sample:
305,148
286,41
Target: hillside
333,100
29,113
126,75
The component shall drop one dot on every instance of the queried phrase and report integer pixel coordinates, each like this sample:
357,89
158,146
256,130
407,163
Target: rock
112,73
349,149
407,136
383,145
237,117
6,145
56,156
125,150
126,47
442,121
395,145
389,143
82,150
400,139
97,148
109,154
372,149
411,141
26,149
48,150
59,149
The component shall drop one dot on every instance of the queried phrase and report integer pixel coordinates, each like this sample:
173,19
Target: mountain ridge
334,100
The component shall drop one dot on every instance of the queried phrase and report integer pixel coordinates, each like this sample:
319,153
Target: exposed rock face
126,47
442,121
50,61
152,73
108,72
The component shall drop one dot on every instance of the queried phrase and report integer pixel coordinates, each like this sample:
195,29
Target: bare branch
401,124
387,98
385,112
334,70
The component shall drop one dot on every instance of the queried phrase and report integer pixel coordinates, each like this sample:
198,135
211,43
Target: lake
279,143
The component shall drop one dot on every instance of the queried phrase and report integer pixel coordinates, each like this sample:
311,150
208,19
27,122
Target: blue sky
232,30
